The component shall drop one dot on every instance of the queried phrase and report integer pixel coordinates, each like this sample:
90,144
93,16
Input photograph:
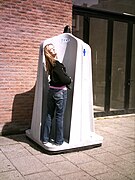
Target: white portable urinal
79,130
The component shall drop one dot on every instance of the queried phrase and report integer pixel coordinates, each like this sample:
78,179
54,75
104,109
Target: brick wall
24,24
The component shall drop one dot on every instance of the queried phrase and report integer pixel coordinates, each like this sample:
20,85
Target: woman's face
51,50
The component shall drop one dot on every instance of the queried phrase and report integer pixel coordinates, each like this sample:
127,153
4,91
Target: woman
57,94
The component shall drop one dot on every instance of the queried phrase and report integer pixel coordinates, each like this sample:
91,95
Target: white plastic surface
78,121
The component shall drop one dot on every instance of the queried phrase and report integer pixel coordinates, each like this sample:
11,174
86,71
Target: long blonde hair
50,60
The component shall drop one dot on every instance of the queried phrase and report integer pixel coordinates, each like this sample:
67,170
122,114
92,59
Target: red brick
24,25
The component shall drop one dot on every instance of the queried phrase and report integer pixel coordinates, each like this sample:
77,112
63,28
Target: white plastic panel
78,120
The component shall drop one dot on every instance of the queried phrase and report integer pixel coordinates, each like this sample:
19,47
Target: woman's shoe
45,142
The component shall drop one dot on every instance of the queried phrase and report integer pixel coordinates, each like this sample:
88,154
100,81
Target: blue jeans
56,102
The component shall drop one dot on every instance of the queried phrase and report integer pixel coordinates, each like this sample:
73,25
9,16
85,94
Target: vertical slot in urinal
44,100
69,61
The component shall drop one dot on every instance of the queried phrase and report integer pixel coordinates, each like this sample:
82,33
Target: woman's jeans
56,103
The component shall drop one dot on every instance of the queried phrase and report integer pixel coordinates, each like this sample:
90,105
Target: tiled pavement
114,160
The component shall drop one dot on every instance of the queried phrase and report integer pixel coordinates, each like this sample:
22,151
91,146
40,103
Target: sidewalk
114,160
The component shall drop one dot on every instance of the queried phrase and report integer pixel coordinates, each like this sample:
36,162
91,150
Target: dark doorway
111,36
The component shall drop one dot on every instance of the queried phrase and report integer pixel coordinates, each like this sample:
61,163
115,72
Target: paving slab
78,157
77,176
95,151
5,140
28,165
125,168
62,168
94,168
111,176
14,151
48,159
118,150
107,158
20,158
5,164
130,157
47,175
26,143
11,175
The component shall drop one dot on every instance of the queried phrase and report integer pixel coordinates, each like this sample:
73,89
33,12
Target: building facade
24,25
108,26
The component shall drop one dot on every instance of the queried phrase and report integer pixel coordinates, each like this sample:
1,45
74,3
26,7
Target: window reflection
120,6
132,81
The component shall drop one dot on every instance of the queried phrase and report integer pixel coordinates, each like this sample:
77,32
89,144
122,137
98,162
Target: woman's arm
59,72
